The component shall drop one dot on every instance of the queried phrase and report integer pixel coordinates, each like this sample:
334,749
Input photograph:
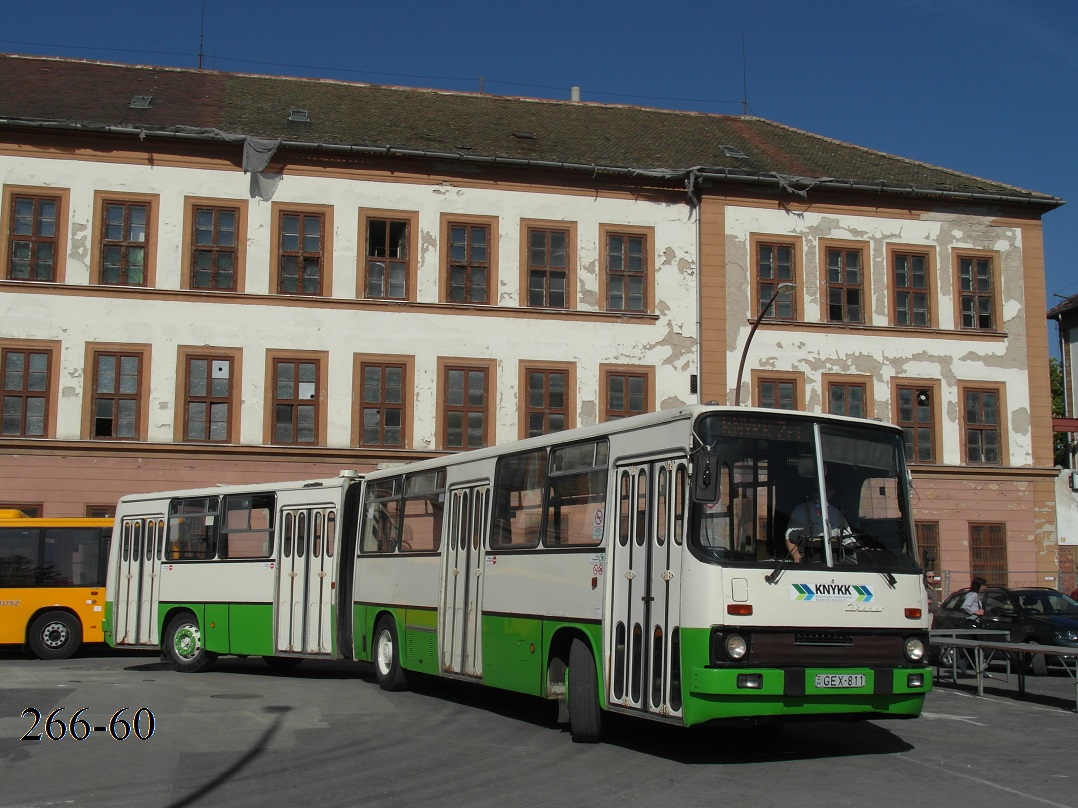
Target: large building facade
222,278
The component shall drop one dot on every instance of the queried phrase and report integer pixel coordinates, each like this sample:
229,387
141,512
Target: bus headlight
915,649
736,647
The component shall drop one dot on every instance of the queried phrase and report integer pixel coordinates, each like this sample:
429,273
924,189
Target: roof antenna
744,80
201,32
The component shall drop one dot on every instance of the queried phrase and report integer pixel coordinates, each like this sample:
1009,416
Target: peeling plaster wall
666,342
947,354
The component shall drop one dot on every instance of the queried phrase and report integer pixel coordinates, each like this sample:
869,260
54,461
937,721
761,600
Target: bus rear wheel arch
55,635
183,644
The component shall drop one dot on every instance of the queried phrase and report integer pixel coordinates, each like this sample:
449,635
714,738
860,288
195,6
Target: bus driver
806,521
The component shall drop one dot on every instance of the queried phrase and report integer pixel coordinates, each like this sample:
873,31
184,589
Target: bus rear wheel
55,635
183,645
585,716
387,662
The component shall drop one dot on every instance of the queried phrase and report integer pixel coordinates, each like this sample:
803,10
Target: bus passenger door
462,583
321,581
643,629
138,595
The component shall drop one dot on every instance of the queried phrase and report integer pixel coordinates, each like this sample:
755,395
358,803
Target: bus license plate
840,680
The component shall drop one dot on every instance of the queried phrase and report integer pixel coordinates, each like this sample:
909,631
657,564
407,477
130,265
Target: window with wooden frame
208,398
35,510
847,398
466,396
549,255
988,551
27,391
775,265
982,442
547,397
845,283
215,247
125,242
389,266
977,291
468,261
776,392
34,235
384,392
117,401
100,511
915,412
297,401
300,252
626,391
911,293
627,269
928,542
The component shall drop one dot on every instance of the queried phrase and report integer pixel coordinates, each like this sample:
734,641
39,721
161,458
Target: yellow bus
52,582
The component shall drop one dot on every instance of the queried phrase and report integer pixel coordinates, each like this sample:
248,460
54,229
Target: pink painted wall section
65,485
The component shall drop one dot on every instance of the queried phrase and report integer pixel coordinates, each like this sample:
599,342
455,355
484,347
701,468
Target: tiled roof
65,92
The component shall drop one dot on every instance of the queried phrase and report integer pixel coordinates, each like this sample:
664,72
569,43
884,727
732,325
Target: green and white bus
641,566
252,570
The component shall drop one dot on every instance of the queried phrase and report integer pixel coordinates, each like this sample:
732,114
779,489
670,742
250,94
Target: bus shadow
734,741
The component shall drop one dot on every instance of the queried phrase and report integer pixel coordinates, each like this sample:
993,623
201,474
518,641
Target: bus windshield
762,500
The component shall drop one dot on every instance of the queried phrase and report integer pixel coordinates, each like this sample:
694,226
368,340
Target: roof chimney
574,94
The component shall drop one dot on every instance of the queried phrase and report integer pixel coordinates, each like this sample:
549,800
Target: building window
976,283
627,393
928,542
468,262
25,392
845,285
988,551
116,404
626,272
917,418
778,394
125,242
910,284
382,402
214,247
295,401
208,399
548,267
547,399
982,426
774,266
465,411
100,511
35,510
300,253
844,398
33,237
387,270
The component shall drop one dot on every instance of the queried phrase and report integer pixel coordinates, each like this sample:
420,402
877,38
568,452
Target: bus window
331,532
19,559
247,531
381,517
519,482
577,494
193,527
424,501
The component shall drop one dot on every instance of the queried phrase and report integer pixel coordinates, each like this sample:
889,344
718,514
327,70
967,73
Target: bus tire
387,661
55,635
282,662
183,645
585,716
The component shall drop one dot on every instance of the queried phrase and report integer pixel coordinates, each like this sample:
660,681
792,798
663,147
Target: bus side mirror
705,478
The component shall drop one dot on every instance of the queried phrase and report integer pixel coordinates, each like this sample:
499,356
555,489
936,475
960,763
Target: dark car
1036,615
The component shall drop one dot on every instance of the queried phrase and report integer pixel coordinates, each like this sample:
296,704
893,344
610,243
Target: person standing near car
972,604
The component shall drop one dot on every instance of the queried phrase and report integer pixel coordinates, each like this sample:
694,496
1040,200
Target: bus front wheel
585,717
55,635
183,645
387,663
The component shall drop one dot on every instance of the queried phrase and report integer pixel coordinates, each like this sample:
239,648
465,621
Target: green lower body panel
513,653
229,628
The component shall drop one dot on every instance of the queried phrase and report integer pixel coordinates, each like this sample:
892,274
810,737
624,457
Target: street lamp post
782,287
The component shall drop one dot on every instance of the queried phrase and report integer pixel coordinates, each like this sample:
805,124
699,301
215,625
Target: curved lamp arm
782,287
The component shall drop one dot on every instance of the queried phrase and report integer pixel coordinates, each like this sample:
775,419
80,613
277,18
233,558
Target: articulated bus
643,566
52,582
